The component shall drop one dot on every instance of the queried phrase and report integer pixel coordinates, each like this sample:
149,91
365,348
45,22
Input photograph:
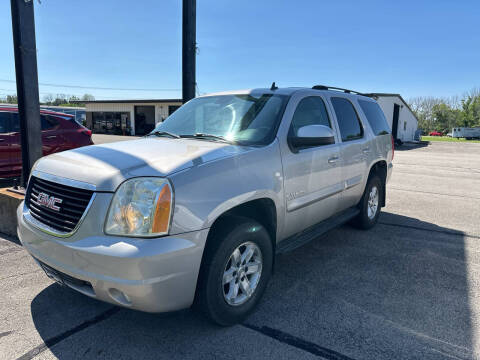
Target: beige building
128,117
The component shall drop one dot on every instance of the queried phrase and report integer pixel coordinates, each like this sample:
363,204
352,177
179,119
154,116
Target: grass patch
446,138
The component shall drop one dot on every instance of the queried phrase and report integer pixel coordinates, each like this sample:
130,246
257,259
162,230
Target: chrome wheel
242,273
372,205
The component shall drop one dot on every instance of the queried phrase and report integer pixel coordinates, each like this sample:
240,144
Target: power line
14,92
92,87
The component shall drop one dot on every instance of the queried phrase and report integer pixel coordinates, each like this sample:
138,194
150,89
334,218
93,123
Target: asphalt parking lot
406,289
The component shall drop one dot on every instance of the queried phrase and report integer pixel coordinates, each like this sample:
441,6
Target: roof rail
325,87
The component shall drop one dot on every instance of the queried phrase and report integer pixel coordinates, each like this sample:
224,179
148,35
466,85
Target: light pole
25,49
188,49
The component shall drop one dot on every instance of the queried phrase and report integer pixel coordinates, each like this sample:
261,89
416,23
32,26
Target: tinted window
347,118
15,122
375,117
310,111
4,116
48,122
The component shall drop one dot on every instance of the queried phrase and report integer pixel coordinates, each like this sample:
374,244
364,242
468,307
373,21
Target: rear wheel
235,271
369,205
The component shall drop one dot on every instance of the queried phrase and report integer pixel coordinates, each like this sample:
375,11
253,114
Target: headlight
140,207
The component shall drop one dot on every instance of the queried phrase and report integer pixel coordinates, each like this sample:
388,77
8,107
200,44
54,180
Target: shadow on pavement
412,146
399,290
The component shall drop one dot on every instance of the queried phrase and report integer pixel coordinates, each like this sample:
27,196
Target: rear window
48,122
375,116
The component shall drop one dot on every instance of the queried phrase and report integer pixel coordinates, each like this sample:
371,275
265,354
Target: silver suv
195,212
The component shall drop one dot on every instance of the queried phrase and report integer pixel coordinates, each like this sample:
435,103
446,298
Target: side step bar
315,231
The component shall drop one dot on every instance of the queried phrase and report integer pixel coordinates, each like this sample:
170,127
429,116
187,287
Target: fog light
119,296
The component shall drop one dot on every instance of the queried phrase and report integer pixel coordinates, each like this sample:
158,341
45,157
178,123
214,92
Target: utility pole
189,45
25,49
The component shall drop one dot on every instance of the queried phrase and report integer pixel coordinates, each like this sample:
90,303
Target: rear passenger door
312,178
354,150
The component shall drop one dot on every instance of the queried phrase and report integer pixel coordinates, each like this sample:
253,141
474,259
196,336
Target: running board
315,231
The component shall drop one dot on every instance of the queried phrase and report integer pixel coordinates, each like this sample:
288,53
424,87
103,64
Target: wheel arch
380,168
263,210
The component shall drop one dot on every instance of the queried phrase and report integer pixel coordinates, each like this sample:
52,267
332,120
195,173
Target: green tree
445,118
12,99
470,111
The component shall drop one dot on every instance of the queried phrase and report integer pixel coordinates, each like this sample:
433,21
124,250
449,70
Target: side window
4,118
48,122
348,121
375,116
15,122
310,111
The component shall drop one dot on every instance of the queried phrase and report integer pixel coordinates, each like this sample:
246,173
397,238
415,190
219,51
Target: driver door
312,175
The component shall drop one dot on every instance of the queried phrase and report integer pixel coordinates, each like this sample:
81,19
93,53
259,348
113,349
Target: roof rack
325,87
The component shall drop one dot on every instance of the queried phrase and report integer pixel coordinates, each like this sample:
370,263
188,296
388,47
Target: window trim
362,128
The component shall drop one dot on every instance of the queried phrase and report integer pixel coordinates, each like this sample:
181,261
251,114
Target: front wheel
235,271
369,205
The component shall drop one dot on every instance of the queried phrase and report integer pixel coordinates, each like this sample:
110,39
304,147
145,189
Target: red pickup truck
435,133
59,132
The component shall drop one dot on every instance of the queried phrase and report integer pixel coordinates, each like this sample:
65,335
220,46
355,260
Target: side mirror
313,135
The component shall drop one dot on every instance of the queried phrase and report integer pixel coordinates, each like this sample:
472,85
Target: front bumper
153,275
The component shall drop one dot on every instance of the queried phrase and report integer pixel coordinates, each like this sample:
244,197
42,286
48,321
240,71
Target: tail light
393,147
87,132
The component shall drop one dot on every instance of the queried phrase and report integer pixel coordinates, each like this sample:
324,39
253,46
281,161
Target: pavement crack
56,339
6,333
297,342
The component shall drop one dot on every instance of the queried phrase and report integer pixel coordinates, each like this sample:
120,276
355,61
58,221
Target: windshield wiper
206,136
165,133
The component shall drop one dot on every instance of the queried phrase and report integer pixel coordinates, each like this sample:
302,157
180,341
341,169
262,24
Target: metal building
128,117
400,116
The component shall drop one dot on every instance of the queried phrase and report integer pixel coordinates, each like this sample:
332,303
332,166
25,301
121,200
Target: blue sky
408,47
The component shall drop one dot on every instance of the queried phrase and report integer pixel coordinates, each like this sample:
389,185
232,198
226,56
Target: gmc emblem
49,201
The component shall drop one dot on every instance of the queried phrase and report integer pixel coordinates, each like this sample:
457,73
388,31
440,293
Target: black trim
307,142
313,232
347,91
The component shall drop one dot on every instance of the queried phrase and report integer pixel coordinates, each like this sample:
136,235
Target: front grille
74,202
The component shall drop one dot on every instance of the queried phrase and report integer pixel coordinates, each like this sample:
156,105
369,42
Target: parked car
195,212
435,133
59,132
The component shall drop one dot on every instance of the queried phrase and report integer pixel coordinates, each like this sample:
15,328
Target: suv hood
106,166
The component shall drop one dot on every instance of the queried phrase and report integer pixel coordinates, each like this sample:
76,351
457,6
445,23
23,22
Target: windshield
244,119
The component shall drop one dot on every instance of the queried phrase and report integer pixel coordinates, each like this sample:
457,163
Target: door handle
366,150
51,137
333,160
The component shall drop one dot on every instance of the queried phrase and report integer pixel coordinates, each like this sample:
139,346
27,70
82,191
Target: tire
216,299
369,217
